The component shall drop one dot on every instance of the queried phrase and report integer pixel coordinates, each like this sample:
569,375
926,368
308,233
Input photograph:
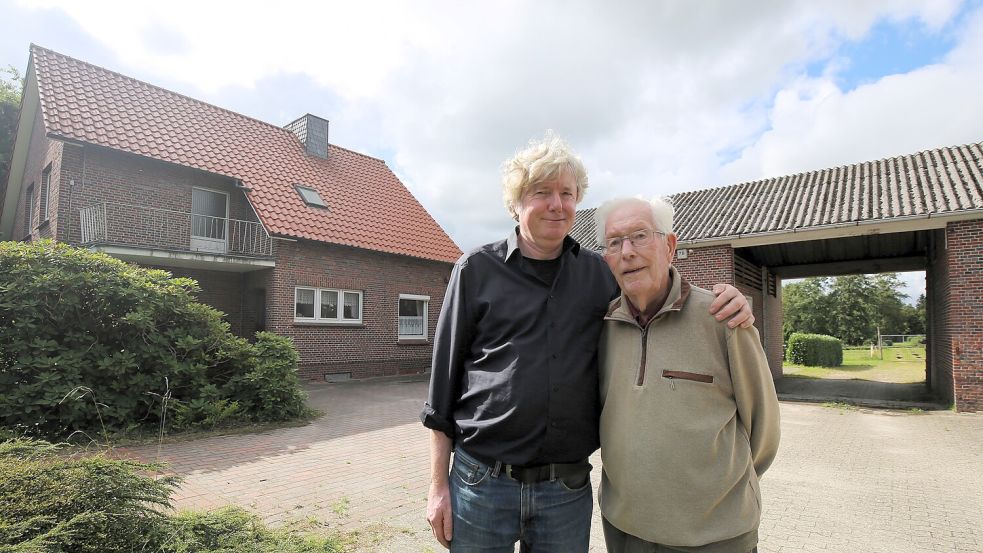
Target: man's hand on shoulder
439,512
730,302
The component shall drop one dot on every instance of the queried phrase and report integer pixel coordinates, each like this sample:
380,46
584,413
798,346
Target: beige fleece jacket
690,421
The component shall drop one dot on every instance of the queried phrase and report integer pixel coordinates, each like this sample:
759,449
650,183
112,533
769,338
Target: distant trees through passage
851,308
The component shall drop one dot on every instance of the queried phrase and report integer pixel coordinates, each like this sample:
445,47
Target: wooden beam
857,267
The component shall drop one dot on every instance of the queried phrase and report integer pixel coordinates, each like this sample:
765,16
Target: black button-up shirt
514,375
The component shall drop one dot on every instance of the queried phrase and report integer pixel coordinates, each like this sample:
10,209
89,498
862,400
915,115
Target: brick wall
705,267
42,153
93,175
965,312
220,289
367,350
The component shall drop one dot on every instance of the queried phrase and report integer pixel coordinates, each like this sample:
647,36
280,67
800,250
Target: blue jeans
493,511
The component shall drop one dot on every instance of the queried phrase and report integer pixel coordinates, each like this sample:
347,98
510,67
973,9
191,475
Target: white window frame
29,213
426,317
340,319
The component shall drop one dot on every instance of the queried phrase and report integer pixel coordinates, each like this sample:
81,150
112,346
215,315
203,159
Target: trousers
492,511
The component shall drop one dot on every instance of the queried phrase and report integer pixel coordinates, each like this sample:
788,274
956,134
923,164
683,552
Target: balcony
173,238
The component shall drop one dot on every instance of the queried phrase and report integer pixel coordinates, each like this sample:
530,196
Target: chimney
313,132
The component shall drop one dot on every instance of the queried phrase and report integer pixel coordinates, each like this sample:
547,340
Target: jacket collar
620,309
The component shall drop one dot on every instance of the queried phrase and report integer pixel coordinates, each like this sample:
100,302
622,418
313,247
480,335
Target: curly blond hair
540,161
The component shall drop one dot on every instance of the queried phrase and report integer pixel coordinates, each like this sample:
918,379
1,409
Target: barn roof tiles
939,182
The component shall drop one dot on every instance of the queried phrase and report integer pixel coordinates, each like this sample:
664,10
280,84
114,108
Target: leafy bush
271,391
93,344
814,350
55,503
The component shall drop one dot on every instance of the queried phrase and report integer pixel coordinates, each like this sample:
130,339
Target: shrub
93,504
814,350
271,391
93,344
52,502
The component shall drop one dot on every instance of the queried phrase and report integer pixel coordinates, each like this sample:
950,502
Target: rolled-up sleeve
451,344
754,392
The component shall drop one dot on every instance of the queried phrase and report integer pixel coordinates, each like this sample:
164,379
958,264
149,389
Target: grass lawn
900,365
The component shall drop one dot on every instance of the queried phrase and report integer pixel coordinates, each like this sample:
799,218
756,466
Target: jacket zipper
641,368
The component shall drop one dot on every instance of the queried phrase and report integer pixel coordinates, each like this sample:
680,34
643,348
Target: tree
850,308
887,303
804,304
11,84
915,317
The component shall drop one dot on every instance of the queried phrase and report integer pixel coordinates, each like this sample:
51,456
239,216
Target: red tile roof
368,206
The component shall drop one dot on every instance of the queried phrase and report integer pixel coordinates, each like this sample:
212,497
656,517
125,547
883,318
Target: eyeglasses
639,238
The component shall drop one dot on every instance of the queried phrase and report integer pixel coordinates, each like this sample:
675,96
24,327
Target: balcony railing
148,227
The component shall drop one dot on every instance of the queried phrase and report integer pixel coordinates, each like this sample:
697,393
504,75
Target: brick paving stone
845,480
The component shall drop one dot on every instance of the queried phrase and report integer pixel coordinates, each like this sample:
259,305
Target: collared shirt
514,376
643,318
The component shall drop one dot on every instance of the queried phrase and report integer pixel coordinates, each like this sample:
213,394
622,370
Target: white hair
662,213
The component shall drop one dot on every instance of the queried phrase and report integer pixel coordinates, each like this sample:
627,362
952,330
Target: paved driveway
845,480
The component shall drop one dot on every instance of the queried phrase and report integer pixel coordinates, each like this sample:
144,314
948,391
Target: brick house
283,231
915,212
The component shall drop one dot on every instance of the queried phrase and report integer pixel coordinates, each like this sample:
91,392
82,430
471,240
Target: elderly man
514,383
689,418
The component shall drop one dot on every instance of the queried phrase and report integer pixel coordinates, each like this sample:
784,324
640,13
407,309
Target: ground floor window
327,305
413,316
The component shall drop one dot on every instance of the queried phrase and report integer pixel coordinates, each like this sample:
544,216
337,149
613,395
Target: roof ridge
358,153
843,166
157,87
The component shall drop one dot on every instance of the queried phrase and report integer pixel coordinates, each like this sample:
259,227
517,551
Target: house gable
370,207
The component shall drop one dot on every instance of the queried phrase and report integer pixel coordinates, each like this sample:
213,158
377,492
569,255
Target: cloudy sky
658,97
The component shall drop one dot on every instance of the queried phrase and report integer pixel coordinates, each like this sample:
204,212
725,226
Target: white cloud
657,97
815,125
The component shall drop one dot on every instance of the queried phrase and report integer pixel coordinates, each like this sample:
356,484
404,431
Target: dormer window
310,196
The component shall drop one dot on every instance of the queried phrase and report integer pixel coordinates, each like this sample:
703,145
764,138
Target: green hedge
50,502
89,343
814,350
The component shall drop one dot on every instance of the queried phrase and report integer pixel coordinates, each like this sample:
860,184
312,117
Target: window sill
330,323
44,224
412,342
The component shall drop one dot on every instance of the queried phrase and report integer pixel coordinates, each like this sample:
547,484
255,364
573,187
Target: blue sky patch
890,47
